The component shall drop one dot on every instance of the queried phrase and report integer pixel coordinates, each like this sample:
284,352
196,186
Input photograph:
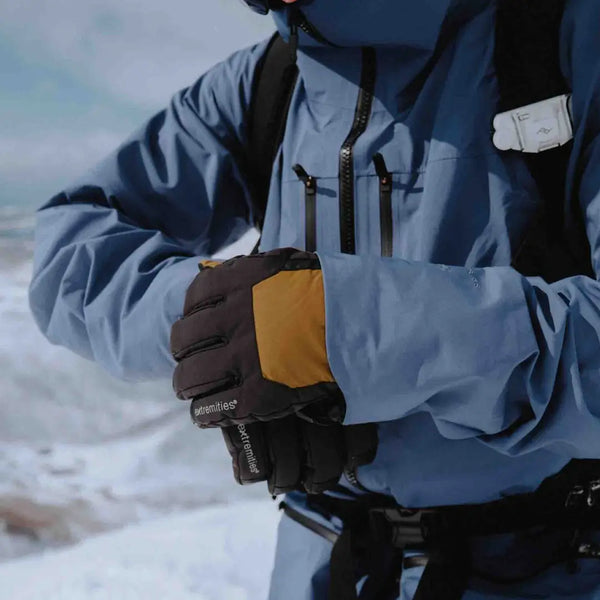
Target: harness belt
377,532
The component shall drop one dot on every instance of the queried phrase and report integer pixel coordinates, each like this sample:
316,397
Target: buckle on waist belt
576,506
547,525
404,528
399,527
581,497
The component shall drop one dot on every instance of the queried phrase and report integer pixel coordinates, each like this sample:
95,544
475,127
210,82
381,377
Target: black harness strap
377,531
274,82
526,51
364,548
446,573
527,61
342,568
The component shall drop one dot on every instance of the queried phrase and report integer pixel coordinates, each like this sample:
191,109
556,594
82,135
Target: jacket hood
410,23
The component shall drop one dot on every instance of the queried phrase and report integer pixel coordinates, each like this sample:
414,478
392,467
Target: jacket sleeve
490,354
116,252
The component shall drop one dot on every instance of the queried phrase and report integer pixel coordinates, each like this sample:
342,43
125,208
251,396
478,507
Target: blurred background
106,489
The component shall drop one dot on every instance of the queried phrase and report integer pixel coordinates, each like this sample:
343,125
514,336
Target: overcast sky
76,76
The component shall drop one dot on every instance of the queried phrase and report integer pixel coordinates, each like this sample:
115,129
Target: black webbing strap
376,532
528,70
527,51
274,82
342,568
446,573
364,548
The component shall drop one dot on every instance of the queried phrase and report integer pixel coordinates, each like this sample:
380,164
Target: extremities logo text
215,408
250,457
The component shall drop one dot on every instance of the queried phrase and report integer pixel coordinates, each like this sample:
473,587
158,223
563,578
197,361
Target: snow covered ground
106,489
82,454
210,554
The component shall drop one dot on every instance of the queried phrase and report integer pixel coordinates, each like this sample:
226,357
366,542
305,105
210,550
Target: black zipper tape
361,120
362,115
310,207
386,221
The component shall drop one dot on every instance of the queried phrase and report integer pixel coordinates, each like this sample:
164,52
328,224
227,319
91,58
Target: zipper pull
385,178
310,207
308,180
386,217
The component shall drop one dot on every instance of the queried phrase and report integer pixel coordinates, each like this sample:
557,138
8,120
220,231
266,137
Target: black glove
251,343
294,454
251,357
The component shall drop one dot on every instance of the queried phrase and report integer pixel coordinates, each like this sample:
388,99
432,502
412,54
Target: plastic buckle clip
404,525
536,127
588,551
593,493
575,498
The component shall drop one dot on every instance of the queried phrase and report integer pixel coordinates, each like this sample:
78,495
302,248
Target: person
383,297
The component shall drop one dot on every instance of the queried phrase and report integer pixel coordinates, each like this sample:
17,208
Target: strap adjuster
536,127
404,526
584,497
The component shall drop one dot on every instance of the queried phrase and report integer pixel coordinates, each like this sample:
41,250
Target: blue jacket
483,381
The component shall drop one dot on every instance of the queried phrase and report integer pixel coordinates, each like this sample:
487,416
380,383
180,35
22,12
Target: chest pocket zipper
386,220
310,207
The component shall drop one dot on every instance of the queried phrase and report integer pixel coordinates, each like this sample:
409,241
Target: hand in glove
294,454
251,354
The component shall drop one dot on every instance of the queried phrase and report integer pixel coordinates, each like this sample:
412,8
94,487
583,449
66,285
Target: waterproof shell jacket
482,381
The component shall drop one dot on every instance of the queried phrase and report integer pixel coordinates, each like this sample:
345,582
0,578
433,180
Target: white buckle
536,127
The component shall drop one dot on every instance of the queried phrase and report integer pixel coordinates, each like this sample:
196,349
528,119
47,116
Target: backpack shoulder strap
555,245
527,51
527,62
274,82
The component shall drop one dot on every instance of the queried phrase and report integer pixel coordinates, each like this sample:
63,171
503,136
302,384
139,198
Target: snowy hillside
83,455
80,452
211,554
